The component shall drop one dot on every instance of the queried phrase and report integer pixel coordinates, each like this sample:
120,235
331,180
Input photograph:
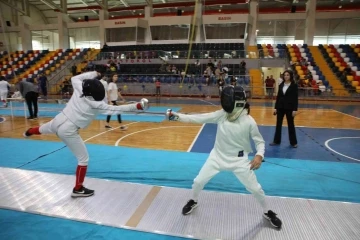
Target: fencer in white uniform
235,129
85,104
4,89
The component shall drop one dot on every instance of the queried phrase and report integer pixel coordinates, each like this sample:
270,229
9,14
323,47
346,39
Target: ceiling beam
88,6
13,5
124,3
101,5
53,5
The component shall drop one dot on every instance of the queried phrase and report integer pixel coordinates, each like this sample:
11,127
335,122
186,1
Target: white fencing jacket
231,137
81,111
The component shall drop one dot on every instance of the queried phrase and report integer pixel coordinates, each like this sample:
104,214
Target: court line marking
148,129
135,219
208,102
112,129
346,114
327,145
196,137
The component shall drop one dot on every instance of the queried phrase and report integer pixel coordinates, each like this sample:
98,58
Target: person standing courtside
29,91
286,104
113,95
4,90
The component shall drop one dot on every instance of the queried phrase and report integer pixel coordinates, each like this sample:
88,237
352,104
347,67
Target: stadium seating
344,63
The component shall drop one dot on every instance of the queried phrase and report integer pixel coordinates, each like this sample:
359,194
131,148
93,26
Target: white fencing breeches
3,95
246,176
68,133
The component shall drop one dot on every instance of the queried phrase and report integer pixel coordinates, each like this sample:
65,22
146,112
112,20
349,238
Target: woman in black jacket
286,104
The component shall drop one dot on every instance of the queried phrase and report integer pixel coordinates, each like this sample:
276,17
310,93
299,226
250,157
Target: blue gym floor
311,171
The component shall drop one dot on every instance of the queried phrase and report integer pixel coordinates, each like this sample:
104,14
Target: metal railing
195,88
189,85
65,69
194,54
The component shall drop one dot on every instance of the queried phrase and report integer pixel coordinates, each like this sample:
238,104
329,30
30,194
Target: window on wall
126,34
10,41
285,28
45,40
266,28
170,32
281,32
337,31
84,37
225,31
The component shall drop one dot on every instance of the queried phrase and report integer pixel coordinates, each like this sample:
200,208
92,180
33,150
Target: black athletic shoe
27,134
274,220
123,128
82,192
189,207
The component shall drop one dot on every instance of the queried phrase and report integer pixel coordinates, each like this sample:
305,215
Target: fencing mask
93,89
233,100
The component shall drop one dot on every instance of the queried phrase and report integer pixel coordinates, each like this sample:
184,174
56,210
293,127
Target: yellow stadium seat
329,50
353,45
302,76
306,81
341,69
291,50
292,54
331,55
334,59
349,78
326,46
357,50
338,64
300,72
294,59
355,83
358,89
298,67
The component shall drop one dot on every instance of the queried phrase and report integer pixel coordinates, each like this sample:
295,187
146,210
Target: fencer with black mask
235,129
85,104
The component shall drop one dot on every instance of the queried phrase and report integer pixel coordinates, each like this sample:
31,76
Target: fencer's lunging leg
68,133
248,178
207,172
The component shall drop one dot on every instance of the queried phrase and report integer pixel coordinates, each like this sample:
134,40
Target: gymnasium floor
156,152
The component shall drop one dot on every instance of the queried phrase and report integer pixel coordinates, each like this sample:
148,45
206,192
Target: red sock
139,107
34,130
80,176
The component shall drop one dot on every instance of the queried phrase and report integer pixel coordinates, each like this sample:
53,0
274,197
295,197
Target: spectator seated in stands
243,64
322,87
315,87
303,62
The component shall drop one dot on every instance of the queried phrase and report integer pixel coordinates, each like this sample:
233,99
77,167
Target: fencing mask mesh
93,88
233,100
